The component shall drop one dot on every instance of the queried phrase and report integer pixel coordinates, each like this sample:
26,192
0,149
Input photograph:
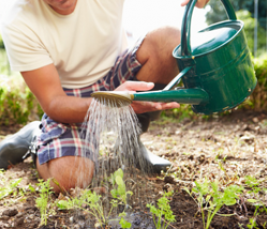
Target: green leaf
124,223
119,180
119,173
122,190
31,188
252,200
64,205
114,193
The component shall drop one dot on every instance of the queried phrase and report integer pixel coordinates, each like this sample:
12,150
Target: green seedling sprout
120,194
163,209
209,194
42,202
94,201
252,224
119,191
123,222
253,183
10,188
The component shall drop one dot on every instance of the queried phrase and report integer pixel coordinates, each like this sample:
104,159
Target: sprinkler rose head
113,98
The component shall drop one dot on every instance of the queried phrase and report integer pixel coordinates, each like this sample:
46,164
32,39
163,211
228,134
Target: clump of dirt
226,149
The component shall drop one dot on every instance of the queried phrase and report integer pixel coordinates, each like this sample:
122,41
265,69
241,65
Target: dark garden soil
226,149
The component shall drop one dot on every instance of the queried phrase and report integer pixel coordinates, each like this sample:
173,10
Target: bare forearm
46,86
68,109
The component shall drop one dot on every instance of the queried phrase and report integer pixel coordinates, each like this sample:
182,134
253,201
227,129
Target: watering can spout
185,96
193,96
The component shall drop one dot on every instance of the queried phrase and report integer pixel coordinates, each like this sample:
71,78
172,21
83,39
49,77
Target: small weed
253,183
119,192
42,201
8,188
252,224
124,223
211,198
95,202
163,209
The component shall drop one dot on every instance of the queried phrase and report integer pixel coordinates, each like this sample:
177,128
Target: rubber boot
145,159
13,148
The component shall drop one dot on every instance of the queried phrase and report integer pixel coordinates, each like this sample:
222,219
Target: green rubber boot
13,148
146,160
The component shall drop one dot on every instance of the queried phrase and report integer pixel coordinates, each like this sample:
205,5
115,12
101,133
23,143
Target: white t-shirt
83,45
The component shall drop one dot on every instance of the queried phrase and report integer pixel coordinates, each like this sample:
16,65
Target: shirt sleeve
24,48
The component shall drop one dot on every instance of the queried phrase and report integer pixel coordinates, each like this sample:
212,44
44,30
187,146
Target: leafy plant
17,103
253,183
9,188
42,201
252,223
95,202
211,198
163,209
119,191
123,222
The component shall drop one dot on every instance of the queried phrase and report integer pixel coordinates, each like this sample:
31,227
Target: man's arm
45,85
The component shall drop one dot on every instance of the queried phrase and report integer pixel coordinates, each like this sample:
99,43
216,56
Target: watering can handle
186,25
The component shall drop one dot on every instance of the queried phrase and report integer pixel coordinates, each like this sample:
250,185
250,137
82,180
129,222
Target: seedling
252,224
119,192
253,183
163,209
9,188
208,194
95,202
42,201
123,222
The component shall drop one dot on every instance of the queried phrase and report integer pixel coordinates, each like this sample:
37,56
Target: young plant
252,224
253,183
119,191
7,188
123,222
163,209
42,201
210,193
120,194
94,201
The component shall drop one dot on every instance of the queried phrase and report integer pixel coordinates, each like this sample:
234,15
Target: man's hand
142,107
199,4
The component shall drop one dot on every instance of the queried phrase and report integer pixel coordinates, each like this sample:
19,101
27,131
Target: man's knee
158,43
67,172
155,54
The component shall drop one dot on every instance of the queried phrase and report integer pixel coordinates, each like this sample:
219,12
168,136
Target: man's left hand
142,107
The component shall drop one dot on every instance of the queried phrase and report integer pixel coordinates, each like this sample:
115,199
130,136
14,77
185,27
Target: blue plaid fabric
59,139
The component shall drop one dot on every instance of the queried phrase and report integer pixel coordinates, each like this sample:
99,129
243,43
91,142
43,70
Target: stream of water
112,136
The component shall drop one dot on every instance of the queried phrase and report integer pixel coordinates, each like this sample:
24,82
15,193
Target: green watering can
216,68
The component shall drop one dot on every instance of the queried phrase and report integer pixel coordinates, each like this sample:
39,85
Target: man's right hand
144,106
199,4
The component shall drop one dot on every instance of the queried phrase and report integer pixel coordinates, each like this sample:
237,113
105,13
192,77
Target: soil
224,148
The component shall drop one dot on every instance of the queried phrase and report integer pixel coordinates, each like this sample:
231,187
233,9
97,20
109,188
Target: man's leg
155,55
67,172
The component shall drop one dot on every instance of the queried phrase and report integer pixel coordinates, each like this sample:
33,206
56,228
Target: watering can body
220,65
215,67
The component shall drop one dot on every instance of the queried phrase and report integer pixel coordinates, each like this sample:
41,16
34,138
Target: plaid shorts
60,139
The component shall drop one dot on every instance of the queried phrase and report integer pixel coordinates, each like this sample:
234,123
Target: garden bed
231,150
